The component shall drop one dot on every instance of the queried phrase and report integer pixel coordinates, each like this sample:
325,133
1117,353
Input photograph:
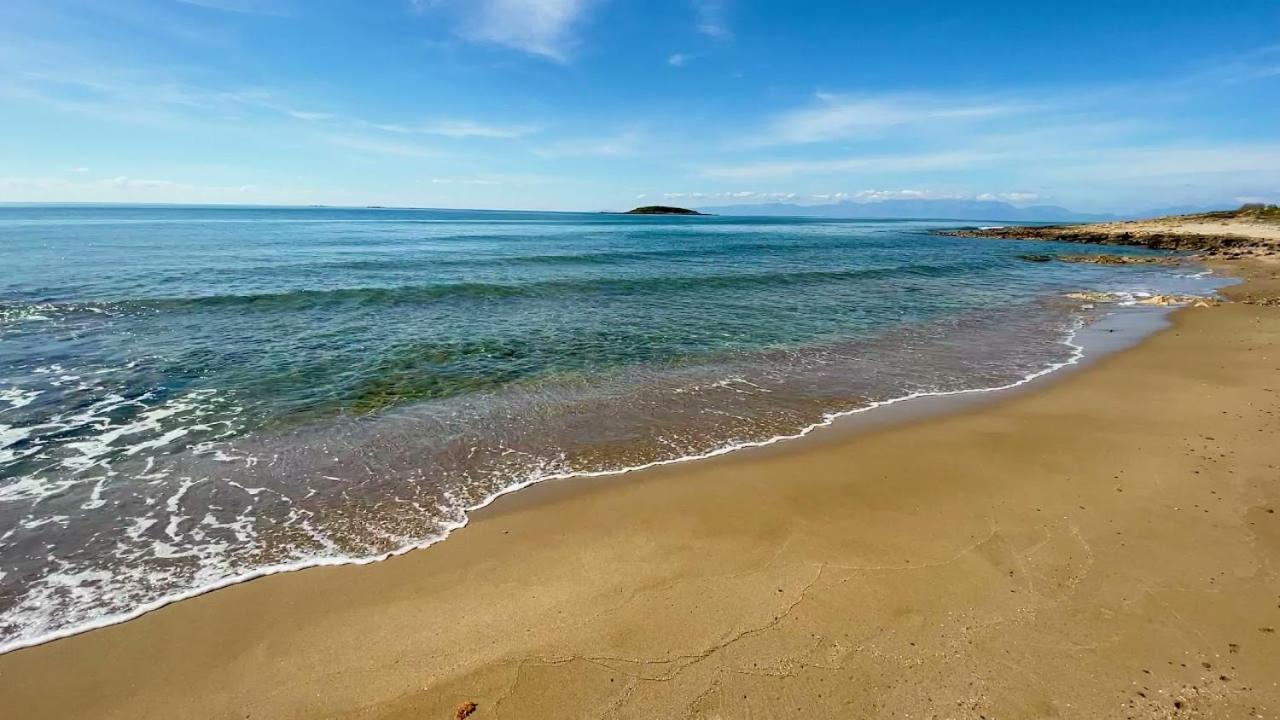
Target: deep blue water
190,395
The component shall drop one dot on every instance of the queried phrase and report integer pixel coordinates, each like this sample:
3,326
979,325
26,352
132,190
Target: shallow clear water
193,395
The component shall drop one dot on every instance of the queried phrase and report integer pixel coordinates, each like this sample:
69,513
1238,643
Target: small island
662,210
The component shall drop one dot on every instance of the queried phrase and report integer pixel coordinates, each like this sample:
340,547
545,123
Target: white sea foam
95,500
738,384
16,397
31,487
19,314
38,609
10,436
151,427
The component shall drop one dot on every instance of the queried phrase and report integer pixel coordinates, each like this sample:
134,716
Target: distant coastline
948,209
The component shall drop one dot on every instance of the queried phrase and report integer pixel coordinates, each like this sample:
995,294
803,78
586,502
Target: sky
1113,106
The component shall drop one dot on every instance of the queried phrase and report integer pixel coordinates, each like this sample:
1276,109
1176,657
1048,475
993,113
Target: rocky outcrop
1106,259
1121,259
1209,245
1247,232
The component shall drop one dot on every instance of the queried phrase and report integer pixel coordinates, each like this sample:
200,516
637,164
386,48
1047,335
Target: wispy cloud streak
460,129
545,28
244,7
711,19
844,117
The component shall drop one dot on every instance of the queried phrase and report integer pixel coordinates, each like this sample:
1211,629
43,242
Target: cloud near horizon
859,196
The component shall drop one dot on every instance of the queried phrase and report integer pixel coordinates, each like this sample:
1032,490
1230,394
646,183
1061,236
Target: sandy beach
602,360
1105,545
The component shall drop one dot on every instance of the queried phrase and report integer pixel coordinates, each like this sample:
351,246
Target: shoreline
884,415
873,416
459,614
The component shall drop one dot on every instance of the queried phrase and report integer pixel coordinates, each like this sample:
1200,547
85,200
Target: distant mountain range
942,210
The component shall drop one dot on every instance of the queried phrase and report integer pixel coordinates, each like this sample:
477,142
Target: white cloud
123,181
1084,162
1177,161
459,129
494,180
946,160
154,97
539,27
96,89
465,181
254,7
622,144
120,189
905,194
379,146
268,101
711,19
845,117
1255,64
1081,136
141,95
678,60
453,128
308,116
739,195
1013,197
859,196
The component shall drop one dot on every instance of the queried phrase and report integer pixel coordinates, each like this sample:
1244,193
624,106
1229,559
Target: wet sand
1106,546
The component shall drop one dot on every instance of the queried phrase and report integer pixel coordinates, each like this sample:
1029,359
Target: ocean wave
40,615
605,257
206,526
16,313
436,292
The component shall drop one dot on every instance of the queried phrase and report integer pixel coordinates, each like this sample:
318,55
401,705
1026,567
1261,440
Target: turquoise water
189,396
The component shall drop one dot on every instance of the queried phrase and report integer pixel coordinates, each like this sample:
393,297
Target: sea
196,396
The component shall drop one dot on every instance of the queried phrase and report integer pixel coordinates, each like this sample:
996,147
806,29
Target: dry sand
1106,546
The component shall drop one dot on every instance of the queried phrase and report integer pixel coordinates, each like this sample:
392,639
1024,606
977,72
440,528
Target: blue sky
605,104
